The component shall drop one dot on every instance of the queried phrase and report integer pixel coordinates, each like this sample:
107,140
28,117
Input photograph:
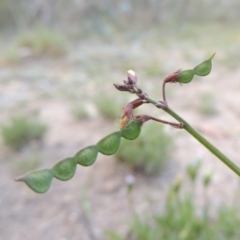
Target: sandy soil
96,198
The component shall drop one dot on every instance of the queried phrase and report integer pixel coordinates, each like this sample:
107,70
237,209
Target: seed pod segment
87,156
132,130
185,76
204,68
110,144
65,169
38,181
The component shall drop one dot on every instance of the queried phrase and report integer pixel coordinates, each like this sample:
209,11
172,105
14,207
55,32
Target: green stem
200,138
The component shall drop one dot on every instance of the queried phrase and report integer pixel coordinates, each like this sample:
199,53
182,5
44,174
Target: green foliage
227,224
21,130
112,235
207,178
193,169
43,42
38,43
178,222
180,219
142,154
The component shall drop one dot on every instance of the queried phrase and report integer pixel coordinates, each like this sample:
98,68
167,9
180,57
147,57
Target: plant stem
199,137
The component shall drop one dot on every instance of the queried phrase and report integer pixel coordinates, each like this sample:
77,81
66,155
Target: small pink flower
131,78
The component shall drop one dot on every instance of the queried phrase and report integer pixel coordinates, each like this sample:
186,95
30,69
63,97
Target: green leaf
87,156
185,76
38,181
205,67
65,169
110,144
131,131
113,235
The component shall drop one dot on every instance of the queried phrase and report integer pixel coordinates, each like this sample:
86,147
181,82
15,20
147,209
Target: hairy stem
199,137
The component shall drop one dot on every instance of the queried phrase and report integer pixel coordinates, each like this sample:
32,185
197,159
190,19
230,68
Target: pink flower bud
126,116
172,77
121,87
132,77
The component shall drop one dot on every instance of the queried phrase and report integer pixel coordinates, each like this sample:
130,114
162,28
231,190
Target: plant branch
163,91
203,69
197,136
144,118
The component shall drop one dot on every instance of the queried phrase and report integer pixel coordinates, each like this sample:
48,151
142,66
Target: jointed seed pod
132,130
38,181
65,169
87,156
110,144
205,67
185,76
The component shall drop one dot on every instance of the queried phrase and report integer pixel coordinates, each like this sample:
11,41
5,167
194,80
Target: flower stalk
204,141
172,78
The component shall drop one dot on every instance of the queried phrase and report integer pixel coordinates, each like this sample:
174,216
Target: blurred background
58,62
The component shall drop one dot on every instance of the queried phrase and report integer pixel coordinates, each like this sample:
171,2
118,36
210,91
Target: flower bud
122,87
172,77
127,115
132,77
205,67
110,144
